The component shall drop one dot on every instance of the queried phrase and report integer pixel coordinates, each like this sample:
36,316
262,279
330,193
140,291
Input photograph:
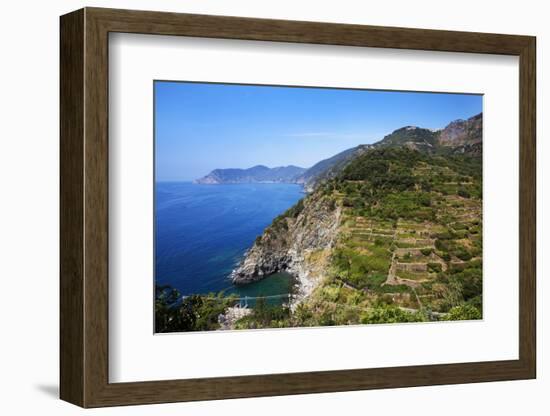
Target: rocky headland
298,242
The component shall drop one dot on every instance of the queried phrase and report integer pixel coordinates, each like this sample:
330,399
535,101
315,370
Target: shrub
447,235
192,313
463,254
425,200
463,193
460,226
426,251
347,202
446,256
265,316
295,210
441,245
464,312
389,314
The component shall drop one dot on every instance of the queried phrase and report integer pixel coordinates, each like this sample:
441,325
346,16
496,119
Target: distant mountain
457,134
462,132
458,137
412,137
327,168
462,137
255,174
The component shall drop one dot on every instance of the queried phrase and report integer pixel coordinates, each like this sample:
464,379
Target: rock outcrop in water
298,242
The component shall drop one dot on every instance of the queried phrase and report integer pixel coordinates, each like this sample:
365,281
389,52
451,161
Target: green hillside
390,232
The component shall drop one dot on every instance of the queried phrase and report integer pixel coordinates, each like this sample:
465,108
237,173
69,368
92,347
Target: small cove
203,231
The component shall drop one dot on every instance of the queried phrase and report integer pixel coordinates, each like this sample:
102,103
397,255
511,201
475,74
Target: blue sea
203,231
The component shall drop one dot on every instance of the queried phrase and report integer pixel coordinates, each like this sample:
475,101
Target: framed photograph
256,207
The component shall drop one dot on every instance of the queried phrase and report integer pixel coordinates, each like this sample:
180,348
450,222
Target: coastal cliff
298,242
389,232
302,240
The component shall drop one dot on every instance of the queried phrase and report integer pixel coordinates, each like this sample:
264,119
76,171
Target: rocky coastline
298,242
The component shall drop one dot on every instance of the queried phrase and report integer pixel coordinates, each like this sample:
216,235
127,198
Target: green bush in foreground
265,316
464,312
174,313
388,314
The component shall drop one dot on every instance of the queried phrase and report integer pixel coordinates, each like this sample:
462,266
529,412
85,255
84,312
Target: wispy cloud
311,134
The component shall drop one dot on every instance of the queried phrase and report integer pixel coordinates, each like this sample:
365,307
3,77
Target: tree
172,313
463,193
425,200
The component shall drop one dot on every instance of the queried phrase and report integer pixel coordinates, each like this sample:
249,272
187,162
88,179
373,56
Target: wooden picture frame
84,207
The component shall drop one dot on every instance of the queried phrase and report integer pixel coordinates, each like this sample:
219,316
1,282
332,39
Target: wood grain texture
71,100
162,23
84,207
527,207
96,208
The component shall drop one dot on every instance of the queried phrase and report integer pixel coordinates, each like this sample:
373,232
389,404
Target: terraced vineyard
386,229
410,239
391,232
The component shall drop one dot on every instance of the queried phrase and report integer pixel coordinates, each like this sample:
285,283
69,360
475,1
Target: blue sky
200,127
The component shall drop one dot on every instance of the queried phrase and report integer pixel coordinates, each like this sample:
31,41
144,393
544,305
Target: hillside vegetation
391,232
408,246
410,238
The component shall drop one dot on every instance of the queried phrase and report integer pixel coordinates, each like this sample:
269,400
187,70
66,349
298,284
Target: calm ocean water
203,231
